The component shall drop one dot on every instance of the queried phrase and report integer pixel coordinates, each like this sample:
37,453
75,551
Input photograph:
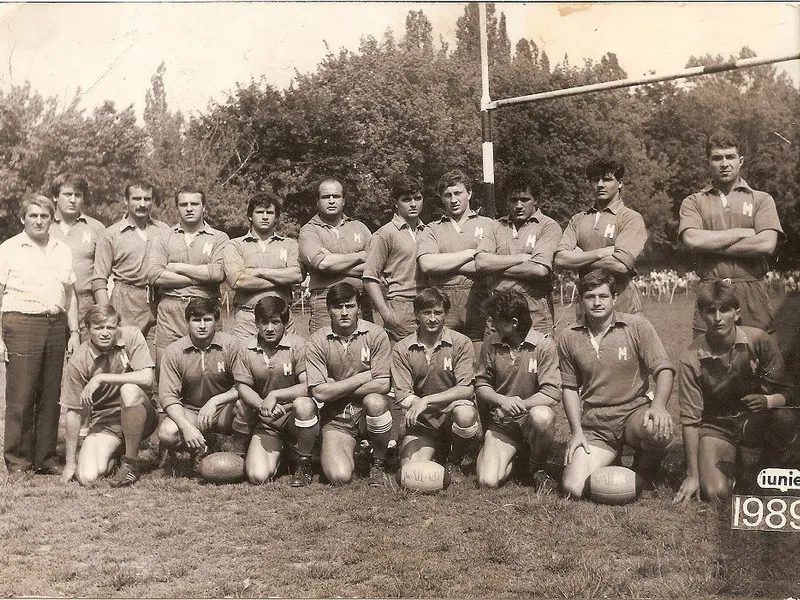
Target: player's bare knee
715,491
375,404
168,433
304,408
465,416
541,418
338,476
573,486
131,395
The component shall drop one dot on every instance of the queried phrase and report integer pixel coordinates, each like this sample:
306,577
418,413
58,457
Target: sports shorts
747,429
276,427
435,423
112,424
604,426
403,310
133,306
346,416
466,313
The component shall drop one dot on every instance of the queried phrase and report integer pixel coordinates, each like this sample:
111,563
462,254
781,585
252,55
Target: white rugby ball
423,476
222,467
614,485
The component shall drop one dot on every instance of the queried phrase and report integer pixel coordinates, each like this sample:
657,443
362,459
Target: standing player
607,236
261,263
184,263
606,359
731,384
518,378
271,381
196,388
393,259
446,252
519,249
433,371
333,247
121,254
732,228
80,232
38,306
348,366
112,372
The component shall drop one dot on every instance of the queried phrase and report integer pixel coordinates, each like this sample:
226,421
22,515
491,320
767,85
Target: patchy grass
172,537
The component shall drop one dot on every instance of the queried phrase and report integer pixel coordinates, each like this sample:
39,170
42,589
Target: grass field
173,537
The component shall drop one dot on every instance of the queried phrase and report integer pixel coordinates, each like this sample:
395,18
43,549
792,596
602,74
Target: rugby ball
614,485
423,476
222,467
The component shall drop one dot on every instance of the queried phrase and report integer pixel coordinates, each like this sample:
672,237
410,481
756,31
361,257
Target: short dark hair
264,199
142,185
721,139
73,180
716,293
404,185
452,178
342,292
429,298
600,167
200,307
507,305
594,279
191,189
518,180
271,306
39,200
328,179
99,313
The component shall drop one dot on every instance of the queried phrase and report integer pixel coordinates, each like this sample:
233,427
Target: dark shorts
604,426
277,427
745,429
403,309
511,428
347,417
754,307
112,424
133,306
466,313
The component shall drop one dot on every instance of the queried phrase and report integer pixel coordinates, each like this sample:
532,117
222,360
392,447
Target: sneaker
127,474
543,483
302,475
377,474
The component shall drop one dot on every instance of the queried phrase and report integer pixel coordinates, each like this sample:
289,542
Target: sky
110,51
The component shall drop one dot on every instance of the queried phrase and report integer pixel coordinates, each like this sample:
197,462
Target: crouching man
348,367
111,374
271,381
518,378
433,371
606,359
196,387
732,384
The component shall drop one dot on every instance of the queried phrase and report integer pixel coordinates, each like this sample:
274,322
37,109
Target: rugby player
271,381
433,372
732,229
518,378
111,374
348,367
732,384
606,359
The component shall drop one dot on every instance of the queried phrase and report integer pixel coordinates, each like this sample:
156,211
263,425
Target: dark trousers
36,345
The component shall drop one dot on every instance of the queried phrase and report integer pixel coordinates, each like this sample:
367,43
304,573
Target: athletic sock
307,432
379,431
132,420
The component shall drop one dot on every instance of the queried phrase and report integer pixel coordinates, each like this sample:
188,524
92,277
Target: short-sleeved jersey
445,236
616,225
616,373
393,258
329,356
191,376
711,386
538,237
744,207
128,354
523,372
35,279
317,239
82,239
206,248
122,251
450,363
264,373
248,252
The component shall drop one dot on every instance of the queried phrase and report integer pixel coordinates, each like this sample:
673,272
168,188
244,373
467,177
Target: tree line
411,103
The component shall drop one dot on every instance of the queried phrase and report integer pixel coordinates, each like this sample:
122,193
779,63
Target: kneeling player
433,371
348,366
731,384
196,384
518,378
271,381
111,374
605,361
